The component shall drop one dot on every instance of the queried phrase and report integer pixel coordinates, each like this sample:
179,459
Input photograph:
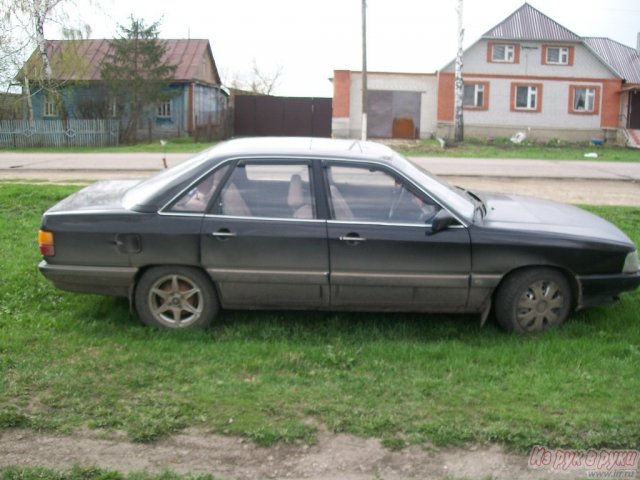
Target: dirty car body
329,225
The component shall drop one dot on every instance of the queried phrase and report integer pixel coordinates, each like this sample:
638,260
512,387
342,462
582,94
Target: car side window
268,190
197,198
374,195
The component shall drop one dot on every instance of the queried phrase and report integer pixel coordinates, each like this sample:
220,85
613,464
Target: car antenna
356,143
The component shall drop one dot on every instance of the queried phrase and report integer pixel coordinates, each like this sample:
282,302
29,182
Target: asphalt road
590,182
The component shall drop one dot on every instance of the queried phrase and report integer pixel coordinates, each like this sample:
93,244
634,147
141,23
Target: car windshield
143,192
453,198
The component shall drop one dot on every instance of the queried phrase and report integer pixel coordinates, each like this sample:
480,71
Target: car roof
307,146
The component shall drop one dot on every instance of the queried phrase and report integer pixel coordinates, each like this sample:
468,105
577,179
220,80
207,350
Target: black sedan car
305,223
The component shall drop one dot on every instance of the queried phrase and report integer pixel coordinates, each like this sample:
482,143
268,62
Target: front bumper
601,289
115,281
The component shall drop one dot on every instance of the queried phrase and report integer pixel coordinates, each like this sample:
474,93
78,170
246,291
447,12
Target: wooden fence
58,133
208,129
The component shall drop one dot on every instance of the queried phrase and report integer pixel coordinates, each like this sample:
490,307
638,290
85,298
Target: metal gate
282,116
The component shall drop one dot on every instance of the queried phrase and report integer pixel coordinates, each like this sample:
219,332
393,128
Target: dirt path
333,457
577,191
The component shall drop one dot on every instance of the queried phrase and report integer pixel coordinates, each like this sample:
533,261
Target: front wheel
533,300
176,297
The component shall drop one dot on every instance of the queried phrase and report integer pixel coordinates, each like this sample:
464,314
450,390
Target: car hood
100,196
515,212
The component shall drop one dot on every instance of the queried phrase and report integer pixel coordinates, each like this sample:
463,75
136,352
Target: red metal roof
81,60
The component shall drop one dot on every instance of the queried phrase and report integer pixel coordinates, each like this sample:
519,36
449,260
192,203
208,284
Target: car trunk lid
100,196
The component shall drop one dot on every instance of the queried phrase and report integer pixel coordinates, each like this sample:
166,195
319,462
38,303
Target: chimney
638,44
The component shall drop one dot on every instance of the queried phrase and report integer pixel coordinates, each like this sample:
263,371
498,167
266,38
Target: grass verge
89,473
174,145
69,361
501,148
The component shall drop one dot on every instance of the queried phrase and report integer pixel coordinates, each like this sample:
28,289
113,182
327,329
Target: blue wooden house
198,99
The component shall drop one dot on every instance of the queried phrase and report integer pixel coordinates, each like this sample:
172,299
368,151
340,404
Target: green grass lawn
174,145
69,361
536,151
90,473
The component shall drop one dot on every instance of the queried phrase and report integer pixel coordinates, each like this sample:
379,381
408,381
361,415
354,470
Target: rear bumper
600,289
101,280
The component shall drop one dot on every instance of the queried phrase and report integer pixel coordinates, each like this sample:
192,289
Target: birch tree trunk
27,95
363,131
459,83
40,12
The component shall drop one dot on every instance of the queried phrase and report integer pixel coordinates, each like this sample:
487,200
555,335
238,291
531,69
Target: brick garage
400,105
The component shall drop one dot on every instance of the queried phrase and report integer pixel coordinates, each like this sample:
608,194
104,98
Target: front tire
533,300
176,297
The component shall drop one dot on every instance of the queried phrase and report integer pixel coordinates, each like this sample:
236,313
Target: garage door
393,114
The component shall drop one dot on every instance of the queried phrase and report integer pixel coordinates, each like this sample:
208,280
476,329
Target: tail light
46,243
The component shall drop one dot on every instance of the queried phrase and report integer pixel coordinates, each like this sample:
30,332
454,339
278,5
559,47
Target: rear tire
531,301
176,297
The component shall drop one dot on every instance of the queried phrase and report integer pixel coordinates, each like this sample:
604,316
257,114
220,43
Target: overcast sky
309,39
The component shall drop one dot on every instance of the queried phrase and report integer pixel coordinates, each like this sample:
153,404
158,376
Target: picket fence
58,133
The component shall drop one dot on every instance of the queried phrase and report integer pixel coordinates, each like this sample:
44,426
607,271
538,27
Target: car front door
262,242
382,251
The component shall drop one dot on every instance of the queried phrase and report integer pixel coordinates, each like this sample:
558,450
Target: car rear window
146,191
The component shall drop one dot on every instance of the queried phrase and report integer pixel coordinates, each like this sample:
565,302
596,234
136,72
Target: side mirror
441,221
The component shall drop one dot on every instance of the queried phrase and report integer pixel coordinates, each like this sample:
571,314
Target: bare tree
9,101
259,81
14,45
459,82
5,49
26,20
265,82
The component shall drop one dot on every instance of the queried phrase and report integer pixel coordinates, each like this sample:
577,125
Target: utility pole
364,70
459,82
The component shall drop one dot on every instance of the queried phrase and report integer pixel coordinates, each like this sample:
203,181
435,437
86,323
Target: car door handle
223,233
352,239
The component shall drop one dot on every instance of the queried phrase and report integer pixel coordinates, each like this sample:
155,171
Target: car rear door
382,252
263,243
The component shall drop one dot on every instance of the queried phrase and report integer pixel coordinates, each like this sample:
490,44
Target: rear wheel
176,297
533,300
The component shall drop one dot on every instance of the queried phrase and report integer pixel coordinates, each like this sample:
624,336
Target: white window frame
589,97
164,109
532,97
477,91
508,56
49,107
563,56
